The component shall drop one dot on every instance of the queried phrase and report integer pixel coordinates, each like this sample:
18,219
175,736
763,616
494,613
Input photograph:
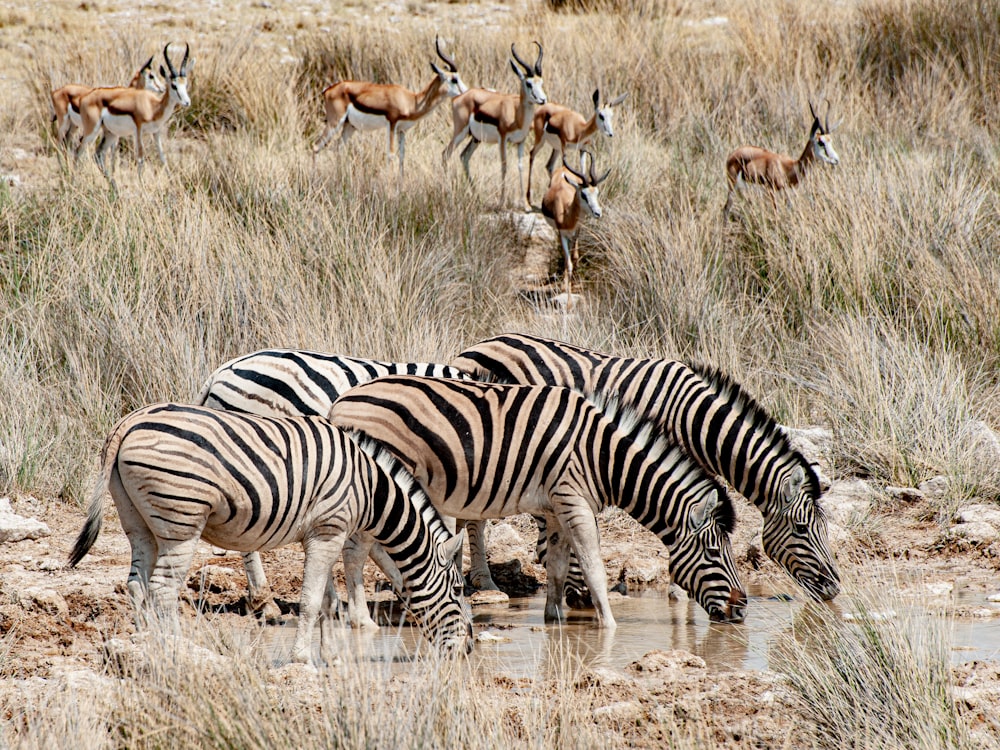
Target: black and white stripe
180,473
292,383
714,421
488,451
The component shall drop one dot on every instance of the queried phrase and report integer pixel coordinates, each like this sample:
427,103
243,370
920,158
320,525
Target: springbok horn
538,62
147,65
523,64
449,60
580,177
184,62
166,57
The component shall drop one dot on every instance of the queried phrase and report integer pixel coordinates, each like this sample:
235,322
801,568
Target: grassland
870,304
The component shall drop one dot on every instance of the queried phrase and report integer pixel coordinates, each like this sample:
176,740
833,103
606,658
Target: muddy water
514,639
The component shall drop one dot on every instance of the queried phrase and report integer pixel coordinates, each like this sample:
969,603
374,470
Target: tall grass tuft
873,677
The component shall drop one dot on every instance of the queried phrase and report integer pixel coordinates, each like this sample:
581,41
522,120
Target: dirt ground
57,621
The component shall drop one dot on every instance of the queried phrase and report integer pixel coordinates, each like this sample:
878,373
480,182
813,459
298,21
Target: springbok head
177,79
819,136
147,79
531,77
586,183
450,79
604,113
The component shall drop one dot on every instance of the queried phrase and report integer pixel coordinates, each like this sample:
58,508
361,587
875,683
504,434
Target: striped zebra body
708,414
294,383
179,474
488,451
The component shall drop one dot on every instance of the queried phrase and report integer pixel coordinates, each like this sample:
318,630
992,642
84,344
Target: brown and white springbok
568,192
123,111
565,130
487,116
360,105
65,100
758,166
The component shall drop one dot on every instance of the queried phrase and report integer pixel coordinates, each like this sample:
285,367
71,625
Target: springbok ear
187,68
597,98
618,100
453,546
436,69
793,484
703,509
163,73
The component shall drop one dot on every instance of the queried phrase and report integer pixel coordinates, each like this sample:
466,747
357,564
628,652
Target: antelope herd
479,115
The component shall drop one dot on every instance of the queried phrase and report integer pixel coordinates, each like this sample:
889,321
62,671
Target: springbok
565,129
360,105
123,111
65,100
568,191
487,116
758,166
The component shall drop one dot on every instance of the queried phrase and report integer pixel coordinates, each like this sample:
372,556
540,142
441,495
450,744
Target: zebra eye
802,529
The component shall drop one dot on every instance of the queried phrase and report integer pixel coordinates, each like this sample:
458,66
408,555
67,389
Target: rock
15,528
993,597
488,596
666,661
846,501
982,439
943,588
816,445
906,494
985,613
50,564
216,579
978,513
888,614
504,536
644,571
623,712
47,600
602,677
975,532
935,488
487,637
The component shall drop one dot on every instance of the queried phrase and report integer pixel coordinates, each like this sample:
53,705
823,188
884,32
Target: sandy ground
56,621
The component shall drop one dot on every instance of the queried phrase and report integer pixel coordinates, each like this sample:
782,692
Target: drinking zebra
293,382
711,417
488,451
180,473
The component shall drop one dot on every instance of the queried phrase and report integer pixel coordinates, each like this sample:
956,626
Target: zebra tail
98,498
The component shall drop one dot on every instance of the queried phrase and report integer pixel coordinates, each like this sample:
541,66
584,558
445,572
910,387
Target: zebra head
701,557
438,603
795,535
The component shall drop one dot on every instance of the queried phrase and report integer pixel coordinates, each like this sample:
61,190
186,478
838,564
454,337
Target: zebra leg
320,554
479,569
581,525
556,565
356,550
172,564
143,544
260,595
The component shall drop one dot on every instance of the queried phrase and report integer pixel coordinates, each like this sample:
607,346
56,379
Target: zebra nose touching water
179,474
488,451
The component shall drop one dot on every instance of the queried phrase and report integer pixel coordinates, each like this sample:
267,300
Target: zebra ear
453,547
703,509
793,484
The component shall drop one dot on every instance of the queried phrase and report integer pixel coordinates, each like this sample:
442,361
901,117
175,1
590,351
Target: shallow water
527,647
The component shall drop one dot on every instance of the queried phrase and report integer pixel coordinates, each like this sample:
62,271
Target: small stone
15,528
993,597
978,512
488,596
666,661
935,487
487,637
49,565
623,712
976,532
48,601
906,494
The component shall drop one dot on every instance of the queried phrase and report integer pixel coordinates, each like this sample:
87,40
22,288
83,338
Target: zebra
291,383
179,473
484,450
711,417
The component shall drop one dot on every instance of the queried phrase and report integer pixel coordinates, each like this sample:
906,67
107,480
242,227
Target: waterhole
515,640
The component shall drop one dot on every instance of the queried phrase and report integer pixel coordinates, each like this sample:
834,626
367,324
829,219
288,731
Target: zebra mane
479,375
744,404
399,474
725,513
646,435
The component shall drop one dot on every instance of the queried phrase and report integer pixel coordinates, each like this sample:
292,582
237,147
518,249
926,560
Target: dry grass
869,304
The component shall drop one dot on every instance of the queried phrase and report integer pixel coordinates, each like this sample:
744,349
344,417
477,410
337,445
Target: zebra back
291,382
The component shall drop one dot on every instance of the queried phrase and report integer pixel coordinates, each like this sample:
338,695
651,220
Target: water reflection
530,648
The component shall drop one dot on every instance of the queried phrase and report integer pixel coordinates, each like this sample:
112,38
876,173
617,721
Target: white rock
50,564
504,535
906,494
47,600
848,500
887,614
993,597
487,637
985,613
979,513
935,487
976,532
626,712
943,588
15,528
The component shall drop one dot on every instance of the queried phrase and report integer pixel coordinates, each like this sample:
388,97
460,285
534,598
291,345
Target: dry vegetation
871,305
